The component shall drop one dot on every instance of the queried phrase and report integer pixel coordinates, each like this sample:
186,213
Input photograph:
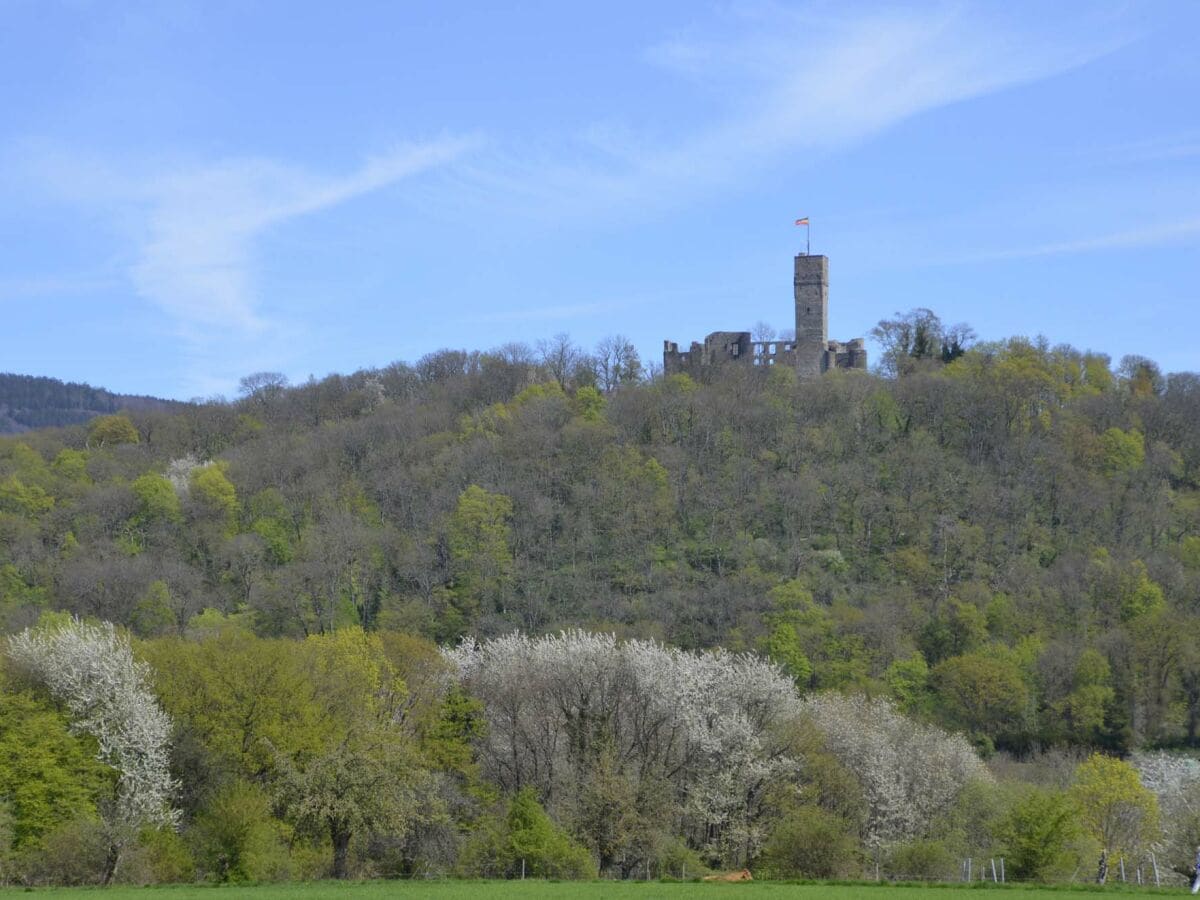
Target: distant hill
29,401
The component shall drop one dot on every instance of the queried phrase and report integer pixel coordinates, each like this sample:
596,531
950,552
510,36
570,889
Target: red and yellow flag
803,221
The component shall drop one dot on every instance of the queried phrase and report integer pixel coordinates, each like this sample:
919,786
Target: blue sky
190,192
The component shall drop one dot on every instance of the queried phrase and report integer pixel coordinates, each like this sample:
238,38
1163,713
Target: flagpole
807,239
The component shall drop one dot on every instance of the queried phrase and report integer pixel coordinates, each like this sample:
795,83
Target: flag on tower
803,221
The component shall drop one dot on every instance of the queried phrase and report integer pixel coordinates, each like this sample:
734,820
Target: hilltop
29,401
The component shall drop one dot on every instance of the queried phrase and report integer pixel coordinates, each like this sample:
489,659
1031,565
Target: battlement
810,352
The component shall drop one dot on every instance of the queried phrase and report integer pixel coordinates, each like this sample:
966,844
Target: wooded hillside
1007,544
28,402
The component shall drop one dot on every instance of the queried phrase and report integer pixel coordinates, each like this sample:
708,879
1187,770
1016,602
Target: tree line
219,755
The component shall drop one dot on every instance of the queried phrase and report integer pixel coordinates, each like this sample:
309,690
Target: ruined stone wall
810,353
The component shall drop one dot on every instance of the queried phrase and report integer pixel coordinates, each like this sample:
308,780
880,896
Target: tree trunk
110,863
341,849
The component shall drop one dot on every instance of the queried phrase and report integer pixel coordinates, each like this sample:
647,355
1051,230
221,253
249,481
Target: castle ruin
810,352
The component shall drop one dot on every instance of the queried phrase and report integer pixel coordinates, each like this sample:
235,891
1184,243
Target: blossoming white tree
699,722
715,727
909,771
90,669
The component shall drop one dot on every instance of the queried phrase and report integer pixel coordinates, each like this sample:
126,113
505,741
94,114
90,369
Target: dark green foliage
27,402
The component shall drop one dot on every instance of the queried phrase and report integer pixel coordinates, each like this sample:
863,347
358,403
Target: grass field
595,890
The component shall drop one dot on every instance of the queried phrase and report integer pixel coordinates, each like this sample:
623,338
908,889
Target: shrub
920,861
1036,832
526,836
810,842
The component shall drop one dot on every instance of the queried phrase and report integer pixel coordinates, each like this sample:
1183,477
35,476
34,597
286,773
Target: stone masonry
810,353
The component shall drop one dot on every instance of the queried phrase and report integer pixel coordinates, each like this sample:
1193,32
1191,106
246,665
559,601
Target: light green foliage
479,536
26,485
1138,595
48,776
524,834
983,694
157,500
1113,805
1036,832
1097,376
1083,710
588,403
366,776
161,856
1123,451
783,647
1189,551
270,519
907,680
447,741
802,630
244,698
72,466
26,499
214,494
110,431
363,784
533,889
236,838
547,390
277,538
668,509
352,676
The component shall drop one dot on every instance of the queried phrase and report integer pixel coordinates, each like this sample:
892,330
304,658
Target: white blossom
700,721
90,669
179,473
909,771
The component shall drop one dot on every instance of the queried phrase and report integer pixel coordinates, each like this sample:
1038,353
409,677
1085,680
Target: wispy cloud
196,258
193,233
789,82
1184,230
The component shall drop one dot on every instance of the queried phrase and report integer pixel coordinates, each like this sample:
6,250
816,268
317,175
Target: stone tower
810,354
812,314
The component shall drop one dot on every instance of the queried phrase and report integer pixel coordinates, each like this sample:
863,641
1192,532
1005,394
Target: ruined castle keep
810,352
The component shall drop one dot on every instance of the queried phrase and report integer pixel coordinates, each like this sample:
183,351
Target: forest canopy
984,550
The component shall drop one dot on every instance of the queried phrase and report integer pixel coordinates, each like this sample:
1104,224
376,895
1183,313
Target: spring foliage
90,669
